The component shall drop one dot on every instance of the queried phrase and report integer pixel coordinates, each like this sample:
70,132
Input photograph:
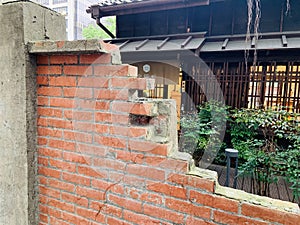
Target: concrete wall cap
63,47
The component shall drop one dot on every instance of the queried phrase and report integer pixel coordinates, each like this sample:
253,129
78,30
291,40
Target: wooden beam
163,43
225,43
141,44
253,42
146,6
186,41
284,41
123,44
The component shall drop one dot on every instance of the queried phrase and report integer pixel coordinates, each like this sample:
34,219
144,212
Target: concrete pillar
20,22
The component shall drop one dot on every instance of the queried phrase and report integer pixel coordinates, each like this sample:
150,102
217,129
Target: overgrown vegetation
268,142
203,132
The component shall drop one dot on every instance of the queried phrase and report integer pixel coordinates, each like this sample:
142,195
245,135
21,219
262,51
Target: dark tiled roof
118,2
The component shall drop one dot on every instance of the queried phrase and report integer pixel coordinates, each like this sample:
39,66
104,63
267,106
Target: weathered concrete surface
78,46
48,47
20,23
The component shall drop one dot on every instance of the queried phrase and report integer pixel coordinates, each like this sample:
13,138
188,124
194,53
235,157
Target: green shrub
202,132
268,144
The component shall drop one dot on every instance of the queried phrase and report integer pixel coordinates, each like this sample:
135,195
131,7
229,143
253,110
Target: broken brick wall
107,157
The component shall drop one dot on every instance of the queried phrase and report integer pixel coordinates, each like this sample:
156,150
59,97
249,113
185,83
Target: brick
42,122
84,104
58,123
114,221
188,207
90,193
78,137
78,92
42,101
111,141
102,129
109,163
43,180
49,192
61,185
78,115
120,119
90,214
78,70
95,58
43,199
147,109
76,158
106,209
74,219
270,214
47,132
163,214
180,166
138,132
49,112
127,203
106,94
49,172
42,141
115,70
133,83
178,179
56,221
54,143
43,218
96,82
201,183
63,59
102,105
130,156
61,205
134,181
119,130
145,171
75,199
214,201
151,198
62,81
139,218
49,91
91,150
91,172
84,126
43,161
148,147
50,152
230,219
49,211
59,164
42,80
167,189
54,70
42,59
108,186
62,102
76,179
191,220
154,160
103,117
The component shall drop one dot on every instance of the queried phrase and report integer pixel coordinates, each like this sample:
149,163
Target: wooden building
199,50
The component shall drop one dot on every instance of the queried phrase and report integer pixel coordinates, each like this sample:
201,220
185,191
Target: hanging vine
288,7
255,5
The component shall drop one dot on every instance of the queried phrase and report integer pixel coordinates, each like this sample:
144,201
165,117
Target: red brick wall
99,165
